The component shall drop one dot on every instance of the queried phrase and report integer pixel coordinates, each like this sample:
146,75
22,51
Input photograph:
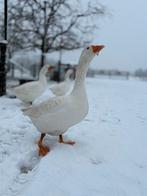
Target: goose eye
87,48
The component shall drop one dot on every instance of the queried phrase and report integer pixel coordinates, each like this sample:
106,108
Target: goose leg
43,150
67,142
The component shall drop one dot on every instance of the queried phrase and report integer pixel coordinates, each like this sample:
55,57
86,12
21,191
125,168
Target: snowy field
108,159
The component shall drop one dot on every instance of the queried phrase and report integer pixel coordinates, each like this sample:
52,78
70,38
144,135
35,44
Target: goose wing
52,105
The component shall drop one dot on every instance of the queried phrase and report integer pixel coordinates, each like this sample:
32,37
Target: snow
3,42
109,157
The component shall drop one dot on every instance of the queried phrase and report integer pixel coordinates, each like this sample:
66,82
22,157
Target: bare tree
52,25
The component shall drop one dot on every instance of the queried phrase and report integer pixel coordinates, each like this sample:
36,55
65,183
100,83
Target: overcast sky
124,34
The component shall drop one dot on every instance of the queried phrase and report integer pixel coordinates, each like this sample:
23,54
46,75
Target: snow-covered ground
108,159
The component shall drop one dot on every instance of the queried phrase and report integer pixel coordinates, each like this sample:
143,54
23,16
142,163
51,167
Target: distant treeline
114,72
93,72
141,73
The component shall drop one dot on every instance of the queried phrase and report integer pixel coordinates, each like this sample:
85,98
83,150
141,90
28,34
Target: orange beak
96,48
50,68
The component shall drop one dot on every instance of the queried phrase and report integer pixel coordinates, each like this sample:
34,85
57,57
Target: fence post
3,45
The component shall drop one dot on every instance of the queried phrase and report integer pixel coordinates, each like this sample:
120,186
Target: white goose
56,115
63,87
29,91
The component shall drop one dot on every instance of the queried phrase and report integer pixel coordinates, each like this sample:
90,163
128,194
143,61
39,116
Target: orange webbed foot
43,150
65,142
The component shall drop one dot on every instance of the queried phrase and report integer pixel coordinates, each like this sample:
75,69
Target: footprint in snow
97,160
27,167
30,161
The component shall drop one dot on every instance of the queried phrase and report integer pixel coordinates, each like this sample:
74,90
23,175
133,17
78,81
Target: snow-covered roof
31,58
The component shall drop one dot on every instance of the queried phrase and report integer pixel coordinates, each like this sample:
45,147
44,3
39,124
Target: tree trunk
43,48
2,68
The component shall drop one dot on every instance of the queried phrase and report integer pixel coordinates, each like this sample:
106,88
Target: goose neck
67,75
42,76
79,86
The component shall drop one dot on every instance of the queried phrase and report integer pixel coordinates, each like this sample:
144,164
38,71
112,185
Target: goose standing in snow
29,91
63,87
56,115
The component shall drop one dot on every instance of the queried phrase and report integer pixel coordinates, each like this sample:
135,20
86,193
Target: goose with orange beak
29,91
56,115
62,88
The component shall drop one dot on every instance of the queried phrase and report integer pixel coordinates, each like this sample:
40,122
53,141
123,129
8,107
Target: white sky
124,34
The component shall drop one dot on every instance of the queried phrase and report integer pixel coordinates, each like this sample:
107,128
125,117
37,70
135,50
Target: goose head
46,68
89,53
68,74
50,68
69,71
